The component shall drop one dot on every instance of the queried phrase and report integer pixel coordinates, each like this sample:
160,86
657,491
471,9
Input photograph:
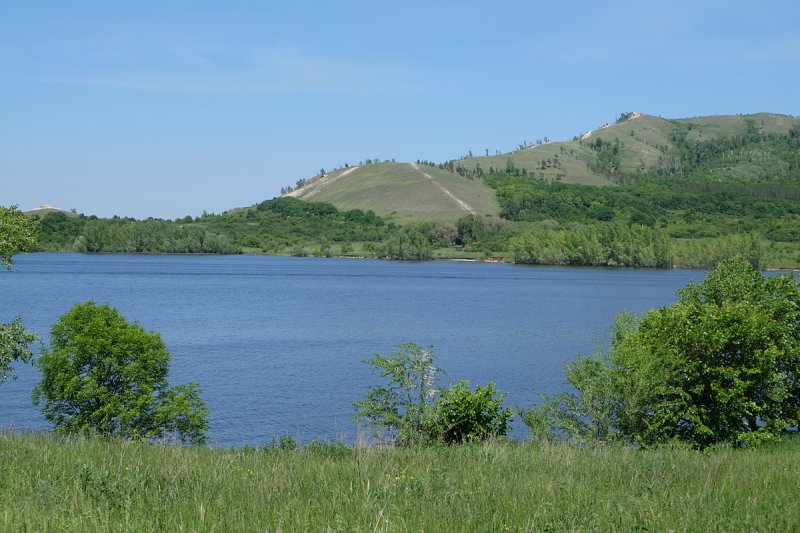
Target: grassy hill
401,191
636,144
645,142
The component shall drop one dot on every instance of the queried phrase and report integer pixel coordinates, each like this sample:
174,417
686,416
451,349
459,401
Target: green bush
400,406
414,411
722,365
462,415
108,377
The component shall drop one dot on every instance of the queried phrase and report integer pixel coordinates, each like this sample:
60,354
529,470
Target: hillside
739,147
401,190
643,143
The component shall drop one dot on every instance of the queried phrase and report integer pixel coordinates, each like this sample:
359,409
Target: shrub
462,415
414,411
108,377
401,404
722,365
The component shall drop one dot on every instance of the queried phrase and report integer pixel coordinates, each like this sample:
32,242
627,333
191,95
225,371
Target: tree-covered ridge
750,155
684,208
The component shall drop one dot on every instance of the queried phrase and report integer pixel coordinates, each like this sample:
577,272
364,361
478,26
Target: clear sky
171,107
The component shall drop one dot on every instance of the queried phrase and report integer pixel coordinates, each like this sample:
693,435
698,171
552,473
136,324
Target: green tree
722,365
17,234
15,344
414,411
107,376
400,406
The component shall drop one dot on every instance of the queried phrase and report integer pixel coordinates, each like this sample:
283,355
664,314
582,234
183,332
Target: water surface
276,343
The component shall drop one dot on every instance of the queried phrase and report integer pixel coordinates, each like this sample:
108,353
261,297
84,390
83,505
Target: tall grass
53,484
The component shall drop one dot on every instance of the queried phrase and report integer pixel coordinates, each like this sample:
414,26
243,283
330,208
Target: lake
277,343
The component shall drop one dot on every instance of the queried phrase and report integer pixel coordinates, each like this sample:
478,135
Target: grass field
398,191
51,484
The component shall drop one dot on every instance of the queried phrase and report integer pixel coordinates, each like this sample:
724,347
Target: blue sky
173,107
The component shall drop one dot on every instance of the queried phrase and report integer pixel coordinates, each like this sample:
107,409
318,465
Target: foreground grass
51,484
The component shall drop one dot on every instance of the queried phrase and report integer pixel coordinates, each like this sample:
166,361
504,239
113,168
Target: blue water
276,343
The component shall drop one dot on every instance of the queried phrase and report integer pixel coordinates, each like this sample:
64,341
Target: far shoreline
487,260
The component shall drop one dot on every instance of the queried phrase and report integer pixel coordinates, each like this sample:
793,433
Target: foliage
15,344
749,154
107,376
611,244
271,226
462,415
17,234
585,417
402,404
722,365
407,245
414,411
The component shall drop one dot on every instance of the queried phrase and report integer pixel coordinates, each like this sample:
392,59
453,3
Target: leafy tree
400,406
15,344
722,365
414,411
16,235
107,376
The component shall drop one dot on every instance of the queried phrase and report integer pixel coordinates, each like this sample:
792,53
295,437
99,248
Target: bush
414,411
17,234
722,365
462,415
401,405
108,377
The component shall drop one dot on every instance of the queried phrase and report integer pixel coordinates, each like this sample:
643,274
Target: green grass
50,484
400,192
641,137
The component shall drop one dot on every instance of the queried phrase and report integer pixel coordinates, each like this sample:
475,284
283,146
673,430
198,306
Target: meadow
52,483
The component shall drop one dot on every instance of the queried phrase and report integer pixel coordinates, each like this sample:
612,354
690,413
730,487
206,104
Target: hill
739,147
640,143
45,209
401,191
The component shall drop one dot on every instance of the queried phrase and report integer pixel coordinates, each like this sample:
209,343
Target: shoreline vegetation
488,260
697,231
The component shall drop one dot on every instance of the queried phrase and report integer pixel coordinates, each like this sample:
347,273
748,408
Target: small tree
401,405
15,344
17,234
109,377
722,365
414,411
